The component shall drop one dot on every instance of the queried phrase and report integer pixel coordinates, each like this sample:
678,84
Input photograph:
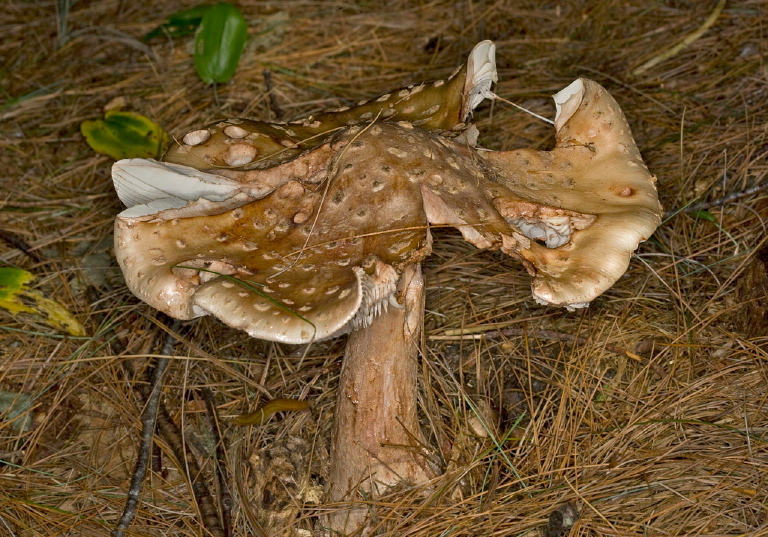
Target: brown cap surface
595,169
317,256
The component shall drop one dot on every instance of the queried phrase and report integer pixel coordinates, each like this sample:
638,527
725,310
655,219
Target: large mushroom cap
277,230
318,259
595,169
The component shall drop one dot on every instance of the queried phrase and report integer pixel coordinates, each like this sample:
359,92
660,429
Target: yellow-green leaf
125,135
17,297
261,415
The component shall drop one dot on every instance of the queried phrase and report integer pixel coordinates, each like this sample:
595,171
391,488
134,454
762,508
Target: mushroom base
377,441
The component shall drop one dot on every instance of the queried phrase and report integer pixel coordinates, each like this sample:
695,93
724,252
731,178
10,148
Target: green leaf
705,215
181,23
125,135
17,297
219,43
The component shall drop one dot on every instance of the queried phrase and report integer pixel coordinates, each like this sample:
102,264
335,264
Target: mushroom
329,239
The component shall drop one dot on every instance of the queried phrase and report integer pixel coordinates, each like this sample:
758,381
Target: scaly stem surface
377,441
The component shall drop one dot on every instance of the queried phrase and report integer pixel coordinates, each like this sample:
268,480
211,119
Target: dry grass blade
666,437
687,41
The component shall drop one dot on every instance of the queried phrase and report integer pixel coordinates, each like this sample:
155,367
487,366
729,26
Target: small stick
225,497
270,91
725,200
548,334
148,420
577,340
186,462
552,335
157,459
17,242
690,38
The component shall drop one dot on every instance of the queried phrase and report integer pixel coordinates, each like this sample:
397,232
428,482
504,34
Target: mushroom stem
377,441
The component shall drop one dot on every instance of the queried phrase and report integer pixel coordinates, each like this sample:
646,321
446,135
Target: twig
186,462
276,110
157,459
690,38
148,420
579,340
558,336
221,477
725,200
549,334
172,435
17,242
